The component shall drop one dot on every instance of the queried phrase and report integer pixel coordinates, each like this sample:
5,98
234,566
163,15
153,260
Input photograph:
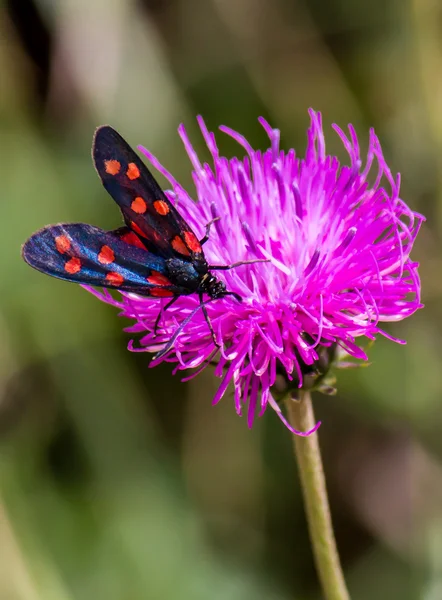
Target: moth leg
161,312
208,226
234,294
237,264
206,316
179,329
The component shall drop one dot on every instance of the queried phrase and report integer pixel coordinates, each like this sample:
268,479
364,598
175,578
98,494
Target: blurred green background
119,482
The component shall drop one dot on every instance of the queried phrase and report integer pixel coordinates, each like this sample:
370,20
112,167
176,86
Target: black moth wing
145,207
89,255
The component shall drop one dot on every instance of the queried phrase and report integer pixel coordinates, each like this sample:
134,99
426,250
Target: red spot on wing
106,255
158,279
191,241
155,236
114,278
133,172
72,266
112,167
139,205
161,207
161,292
62,243
135,227
133,240
179,246
150,233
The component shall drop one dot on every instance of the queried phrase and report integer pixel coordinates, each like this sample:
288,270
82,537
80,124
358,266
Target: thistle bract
337,240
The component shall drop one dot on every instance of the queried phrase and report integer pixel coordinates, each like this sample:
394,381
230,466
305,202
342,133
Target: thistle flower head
337,240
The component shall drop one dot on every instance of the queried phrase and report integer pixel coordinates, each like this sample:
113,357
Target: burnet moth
156,254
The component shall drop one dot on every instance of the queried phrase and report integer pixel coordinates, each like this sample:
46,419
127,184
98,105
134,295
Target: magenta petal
278,411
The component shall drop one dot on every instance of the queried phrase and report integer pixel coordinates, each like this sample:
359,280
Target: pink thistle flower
339,262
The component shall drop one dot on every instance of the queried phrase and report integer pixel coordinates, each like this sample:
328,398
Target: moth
155,254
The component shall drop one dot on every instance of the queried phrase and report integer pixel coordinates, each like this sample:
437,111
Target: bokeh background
120,482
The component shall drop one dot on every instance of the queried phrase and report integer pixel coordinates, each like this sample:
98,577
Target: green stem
308,457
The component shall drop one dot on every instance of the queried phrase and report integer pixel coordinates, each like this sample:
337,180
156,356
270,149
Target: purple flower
338,240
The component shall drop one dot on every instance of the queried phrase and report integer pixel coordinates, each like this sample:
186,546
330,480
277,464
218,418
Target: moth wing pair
132,258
